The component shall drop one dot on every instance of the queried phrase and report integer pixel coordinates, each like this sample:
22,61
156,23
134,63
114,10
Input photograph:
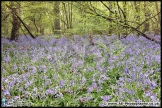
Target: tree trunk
71,15
125,33
157,30
137,14
57,17
15,22
110,15
146,25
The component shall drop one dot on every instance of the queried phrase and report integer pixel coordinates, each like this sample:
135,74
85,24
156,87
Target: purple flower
103,77
51,91
152,98
75,70
85,99
16,97
130,91
126,70
157,70
55,77
147,93
12,83
43,96
128,80
157,58
20,89
7,59
94,85
106,97
98,66
152,85
133,76
121,79
99,88
61,84
83,80
121,90
72,83
48,81
4,71
43,68
90,89
14,67
100,81
59,95
34,95
141,75
6,92
34,69
28,84
49,57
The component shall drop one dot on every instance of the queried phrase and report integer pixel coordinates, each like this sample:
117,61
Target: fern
102,45
118,51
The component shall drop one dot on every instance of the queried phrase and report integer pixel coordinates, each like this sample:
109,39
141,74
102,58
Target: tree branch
107,7
25,27
144,22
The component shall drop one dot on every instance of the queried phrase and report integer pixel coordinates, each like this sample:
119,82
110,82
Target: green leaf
102,45
119,51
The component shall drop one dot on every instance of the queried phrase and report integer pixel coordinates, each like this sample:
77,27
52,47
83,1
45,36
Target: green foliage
90,58
86,17
100,44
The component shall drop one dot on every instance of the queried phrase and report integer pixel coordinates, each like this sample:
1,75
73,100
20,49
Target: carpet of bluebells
71,72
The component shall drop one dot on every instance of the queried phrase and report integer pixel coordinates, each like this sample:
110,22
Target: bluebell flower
106,98
16,97
99,88
6,92
34,69
83,81
90,89
61,84
20,89
152,85
51,91
60,95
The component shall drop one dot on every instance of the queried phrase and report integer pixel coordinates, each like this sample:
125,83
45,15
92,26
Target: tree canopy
81,17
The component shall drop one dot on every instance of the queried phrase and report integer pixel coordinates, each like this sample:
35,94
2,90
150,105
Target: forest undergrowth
64,72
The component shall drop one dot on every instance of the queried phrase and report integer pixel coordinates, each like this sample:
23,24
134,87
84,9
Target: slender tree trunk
66,15
35,25
157,9
110,15
146,25
125,18
137,14
158,26
57,17
70,14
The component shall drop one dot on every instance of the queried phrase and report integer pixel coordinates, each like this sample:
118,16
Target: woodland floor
49,71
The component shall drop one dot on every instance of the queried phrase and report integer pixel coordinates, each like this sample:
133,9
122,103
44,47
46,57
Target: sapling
91,40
